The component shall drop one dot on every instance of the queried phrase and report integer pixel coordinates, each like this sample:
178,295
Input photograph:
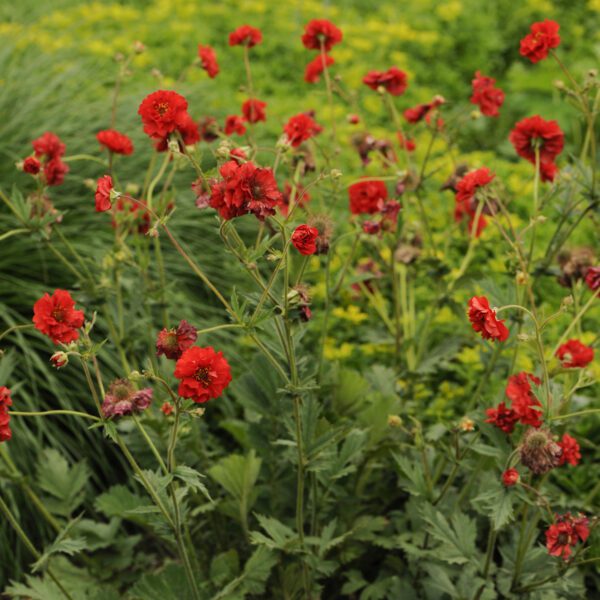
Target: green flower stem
579,413
326,312
219,327
12,232
90,383
329,89
76,157
16,328
151,444
74,413
29,545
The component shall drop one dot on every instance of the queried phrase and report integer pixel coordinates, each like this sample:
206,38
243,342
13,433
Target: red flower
592,278
484,320
573,354
510,477
103,189
353,119
122,399
535,131
301,128
489,98
543,37
566,533
502,417
166,409
245,35
315,67
367,197
423,111
245,188
48,145
208,58
189,132
115,141
254,110
32,165
304,239
393,80
204,374
56,317
173,342
238,153
570,450
301,198
407,143
55,171
5,403
548,171
465,198
321,32
523,400
234,124
162,113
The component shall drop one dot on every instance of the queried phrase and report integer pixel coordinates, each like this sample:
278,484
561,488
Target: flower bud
466,424
59,360
139,47
335,174
522,278
475,114
510,477
559,84
135,376
395,421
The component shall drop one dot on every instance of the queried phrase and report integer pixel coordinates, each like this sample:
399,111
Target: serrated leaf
192,478
61,545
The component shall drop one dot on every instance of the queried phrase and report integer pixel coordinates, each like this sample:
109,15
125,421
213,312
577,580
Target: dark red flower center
563,539
58,314
162,108
203,376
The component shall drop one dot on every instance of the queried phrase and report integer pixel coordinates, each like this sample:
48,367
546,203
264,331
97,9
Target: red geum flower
304,239
548,171
173,342
486,96
353,119
56,317
300,128
163,112
321,33
592,278
315,67
234,124
204,374
122,399
166,409
5,403
245,35
423,111
465,198
393,80
253,110
32,165
367,197
115,141
523,400
573,354
565,533
188,130
48,145
510,477
570,450
484,320
55,171
245,188
103,189
533,132
543,37
238,153
301,197
208,59
502,417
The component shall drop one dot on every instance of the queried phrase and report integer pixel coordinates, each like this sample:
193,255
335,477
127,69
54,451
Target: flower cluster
48,152
486,96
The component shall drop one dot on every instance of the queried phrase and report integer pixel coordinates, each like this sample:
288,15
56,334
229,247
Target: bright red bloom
208,58
566,533
486,96
204,374
548,171
502,417
115,141
523,400
173,342
166,409
321,32
103,189
367,197
238,153
543,37
573,354
55,171
535,131
163,112
423,111
189,132
253,110
510,477
484,320
32,165
245,35
56,317
465,198
315,67
592,278
304,239
301,197
48,145
301,128
570,450
393,80
245,188
122,399
353,119
234,124
5,403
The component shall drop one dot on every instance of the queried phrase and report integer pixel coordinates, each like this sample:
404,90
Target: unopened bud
559,84
395,421
135,376
335,173
475,114
521,278
466,424
139,47
59,359
566,302
119,57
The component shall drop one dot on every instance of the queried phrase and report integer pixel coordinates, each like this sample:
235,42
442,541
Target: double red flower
208,60
50,149
115,141
565,533
316,66
253,110
245,35
466,201
486,96
575,355
304,239
523,401
5,404
321,33
56,317
234,124
394,81
484,321
203,374
367,197
542,38
300,128
570,450
104,187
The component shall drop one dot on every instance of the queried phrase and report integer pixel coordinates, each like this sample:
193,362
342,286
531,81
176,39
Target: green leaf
414,480
192,478
61,545
170,583
279,536
118,501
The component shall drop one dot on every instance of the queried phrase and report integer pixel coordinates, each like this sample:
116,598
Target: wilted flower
123,399
539,452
